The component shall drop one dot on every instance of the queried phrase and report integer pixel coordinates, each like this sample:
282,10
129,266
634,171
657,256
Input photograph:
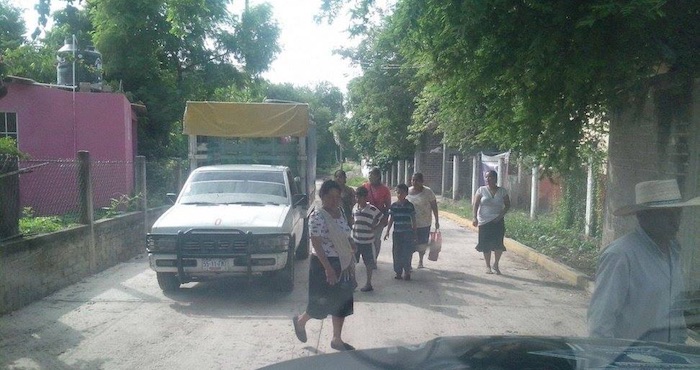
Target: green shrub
120,205
30,224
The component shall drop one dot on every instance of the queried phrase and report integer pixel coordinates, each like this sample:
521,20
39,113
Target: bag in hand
347,280
435,245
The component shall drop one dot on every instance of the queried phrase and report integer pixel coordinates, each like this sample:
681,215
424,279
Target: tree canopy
539,77
11,26
161,53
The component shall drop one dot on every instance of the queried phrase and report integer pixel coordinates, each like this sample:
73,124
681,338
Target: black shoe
298,330
342,347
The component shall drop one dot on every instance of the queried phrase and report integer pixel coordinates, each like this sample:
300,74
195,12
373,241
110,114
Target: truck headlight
161,243
271,244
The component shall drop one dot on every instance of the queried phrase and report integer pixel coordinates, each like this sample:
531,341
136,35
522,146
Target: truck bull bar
200,236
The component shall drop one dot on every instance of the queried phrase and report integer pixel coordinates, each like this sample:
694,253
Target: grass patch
544,235
30,224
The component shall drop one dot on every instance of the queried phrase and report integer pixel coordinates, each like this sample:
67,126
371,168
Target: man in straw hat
639,282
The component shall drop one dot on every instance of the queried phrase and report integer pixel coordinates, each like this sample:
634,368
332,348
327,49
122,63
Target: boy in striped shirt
367,218
402,216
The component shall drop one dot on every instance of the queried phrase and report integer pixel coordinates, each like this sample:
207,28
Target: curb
569,275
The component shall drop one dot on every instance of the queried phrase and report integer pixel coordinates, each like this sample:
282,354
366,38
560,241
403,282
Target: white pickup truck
231,220
244,209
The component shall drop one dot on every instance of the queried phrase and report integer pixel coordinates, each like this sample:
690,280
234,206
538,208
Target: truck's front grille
195,245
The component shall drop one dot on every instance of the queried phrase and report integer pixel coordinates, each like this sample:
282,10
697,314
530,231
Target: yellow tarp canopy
227,119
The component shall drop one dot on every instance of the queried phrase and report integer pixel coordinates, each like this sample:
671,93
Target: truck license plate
214,264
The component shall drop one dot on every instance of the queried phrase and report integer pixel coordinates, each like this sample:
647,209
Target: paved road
119,319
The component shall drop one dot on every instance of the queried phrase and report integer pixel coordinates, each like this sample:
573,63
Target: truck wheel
302,252
286,277
168,281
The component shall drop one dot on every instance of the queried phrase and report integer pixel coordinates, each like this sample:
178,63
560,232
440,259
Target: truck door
299,211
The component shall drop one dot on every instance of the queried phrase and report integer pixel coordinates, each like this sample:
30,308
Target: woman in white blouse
331,269
491,203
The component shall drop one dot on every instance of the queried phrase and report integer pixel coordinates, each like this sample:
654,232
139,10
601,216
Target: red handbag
435,245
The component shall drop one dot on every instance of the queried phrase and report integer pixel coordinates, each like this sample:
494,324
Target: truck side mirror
172,197
300,200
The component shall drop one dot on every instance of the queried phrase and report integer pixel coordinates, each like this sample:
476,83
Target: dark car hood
509,352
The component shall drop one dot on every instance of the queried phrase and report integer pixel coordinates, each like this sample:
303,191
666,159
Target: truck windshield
221,187
271,177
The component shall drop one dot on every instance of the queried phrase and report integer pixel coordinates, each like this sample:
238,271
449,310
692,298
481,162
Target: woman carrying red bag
424,201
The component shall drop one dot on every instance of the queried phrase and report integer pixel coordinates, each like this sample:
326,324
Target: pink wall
54,124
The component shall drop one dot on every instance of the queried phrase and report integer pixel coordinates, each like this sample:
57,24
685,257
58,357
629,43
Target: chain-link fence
45,195
165,176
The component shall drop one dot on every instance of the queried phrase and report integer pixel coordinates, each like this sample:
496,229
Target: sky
307,48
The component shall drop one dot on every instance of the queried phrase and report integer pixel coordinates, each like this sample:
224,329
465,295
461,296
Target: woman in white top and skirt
491,203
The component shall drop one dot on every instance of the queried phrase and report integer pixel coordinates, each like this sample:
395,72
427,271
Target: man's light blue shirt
639,292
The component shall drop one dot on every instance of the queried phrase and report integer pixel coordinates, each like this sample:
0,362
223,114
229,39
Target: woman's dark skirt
327,299
422,238
491,236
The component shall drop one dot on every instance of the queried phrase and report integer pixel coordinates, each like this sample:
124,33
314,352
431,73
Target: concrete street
119,319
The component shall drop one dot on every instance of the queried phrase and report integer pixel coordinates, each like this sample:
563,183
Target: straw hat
656,194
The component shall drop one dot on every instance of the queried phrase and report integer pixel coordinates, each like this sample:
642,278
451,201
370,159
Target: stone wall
35,267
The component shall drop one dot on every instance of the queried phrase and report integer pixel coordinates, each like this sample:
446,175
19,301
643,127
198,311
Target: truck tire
168,281
302,252
285,281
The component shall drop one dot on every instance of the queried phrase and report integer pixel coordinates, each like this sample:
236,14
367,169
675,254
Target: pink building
51,125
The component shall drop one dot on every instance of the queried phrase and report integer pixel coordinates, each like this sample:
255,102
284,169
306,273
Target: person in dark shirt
402,216
347,195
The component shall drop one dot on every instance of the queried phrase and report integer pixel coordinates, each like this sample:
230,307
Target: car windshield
424,184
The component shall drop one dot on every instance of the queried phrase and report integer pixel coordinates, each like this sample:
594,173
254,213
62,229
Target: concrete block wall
429,159
35,267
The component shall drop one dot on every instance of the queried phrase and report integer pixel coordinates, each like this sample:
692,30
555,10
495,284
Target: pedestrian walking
423,199
491,203
379,195
402,216
367,218
347,195
639,283
331,269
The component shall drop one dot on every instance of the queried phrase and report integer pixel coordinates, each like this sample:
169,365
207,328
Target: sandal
298,330
498,272
398,277
342,347
367,288
489,272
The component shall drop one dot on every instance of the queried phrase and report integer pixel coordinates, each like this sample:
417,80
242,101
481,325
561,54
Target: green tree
165,52
539,76
12,26
382,100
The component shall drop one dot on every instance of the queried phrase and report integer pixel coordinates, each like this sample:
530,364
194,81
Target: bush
30,224
544,235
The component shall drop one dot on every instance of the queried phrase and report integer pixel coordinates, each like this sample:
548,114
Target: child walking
366,217
402,216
